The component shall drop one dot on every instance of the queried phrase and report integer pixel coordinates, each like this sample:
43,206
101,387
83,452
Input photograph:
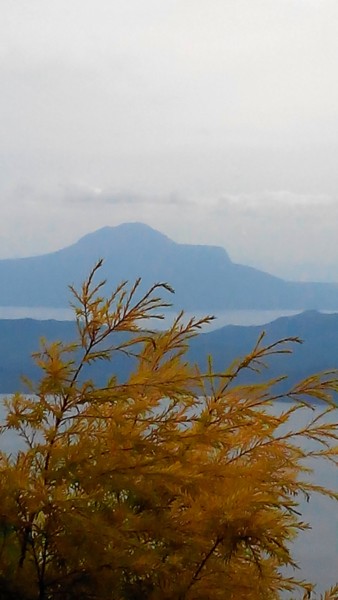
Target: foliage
173,484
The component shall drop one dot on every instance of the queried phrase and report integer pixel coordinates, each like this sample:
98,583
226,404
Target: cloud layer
214,122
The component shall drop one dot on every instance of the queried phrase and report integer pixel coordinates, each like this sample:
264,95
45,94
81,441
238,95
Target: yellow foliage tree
174,484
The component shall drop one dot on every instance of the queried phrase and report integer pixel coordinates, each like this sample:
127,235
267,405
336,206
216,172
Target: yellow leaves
172,484
331,594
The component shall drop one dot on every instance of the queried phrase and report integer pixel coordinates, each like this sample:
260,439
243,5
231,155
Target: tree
172,484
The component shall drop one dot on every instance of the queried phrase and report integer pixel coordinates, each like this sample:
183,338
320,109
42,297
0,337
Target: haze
213,122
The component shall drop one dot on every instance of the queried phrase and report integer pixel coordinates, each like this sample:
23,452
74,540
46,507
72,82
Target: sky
213,122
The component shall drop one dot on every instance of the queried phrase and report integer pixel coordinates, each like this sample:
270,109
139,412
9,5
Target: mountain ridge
203,276
20,338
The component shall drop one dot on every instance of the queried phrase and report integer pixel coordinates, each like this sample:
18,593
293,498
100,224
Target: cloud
48,217
281,232
215,124
280,199
84,194
280,206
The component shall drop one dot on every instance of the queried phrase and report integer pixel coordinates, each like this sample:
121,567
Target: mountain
317,352
19,338
204,277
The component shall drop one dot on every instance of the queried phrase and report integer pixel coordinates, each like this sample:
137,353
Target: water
225,317
234,317
316,551
36,312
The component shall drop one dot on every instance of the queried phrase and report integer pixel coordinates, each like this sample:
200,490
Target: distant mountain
204,277
318,352
19,338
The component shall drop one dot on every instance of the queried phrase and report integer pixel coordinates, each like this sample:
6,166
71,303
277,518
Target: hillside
318,352
204,277
20,338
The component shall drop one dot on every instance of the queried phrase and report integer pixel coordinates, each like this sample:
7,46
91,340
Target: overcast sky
214,122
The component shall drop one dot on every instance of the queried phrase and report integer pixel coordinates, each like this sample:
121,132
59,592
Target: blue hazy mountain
204,277
20,338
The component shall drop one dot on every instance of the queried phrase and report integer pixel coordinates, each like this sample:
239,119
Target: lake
316,550
225,317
